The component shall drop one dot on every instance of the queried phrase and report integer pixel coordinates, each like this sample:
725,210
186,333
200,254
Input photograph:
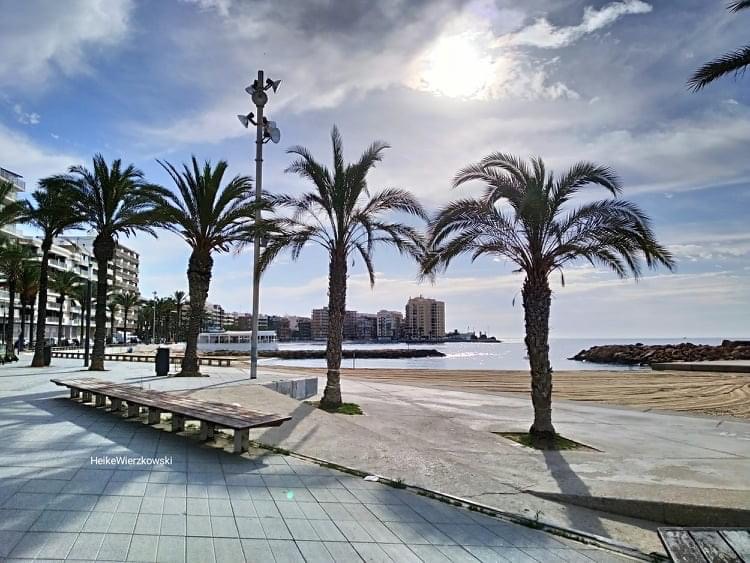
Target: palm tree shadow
570,483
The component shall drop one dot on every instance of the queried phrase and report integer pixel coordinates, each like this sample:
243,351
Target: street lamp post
265,131
153,326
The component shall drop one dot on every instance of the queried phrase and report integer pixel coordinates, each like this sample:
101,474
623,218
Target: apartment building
424,319
389,324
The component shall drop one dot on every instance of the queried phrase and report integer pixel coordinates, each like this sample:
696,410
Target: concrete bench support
207,430
133,410
115,404
99,400
154,416
241,441
178,423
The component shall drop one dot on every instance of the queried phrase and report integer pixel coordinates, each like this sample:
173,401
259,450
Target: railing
140,358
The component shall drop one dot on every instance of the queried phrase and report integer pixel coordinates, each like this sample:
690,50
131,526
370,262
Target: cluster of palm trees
523,215
161,318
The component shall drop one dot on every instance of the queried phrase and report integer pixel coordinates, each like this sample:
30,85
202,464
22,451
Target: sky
444,82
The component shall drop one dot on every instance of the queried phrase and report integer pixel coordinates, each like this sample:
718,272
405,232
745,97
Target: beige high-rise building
424,319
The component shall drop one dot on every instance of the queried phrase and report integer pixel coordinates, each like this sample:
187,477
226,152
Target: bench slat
714,548
739,540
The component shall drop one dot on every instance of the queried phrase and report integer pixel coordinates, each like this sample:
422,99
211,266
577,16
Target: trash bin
162,361
47,354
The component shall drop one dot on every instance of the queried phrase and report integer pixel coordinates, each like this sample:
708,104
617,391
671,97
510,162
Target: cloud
24,117
221,6
545,35
24,156
42,38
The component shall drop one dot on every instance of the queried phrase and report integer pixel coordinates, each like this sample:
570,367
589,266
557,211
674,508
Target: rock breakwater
641,354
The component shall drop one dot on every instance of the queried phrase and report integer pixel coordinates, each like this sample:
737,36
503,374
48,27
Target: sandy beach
716,394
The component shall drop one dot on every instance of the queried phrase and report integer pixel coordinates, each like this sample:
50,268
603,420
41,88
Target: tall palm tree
51,211
126,301
210,219
735,62
341,215
114,201
522,216
179,303
13,256
65,283
28,287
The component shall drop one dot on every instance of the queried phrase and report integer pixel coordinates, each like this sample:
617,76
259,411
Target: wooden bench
706,545
210,414
209,361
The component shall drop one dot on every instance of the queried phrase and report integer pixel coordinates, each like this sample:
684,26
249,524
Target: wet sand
716,394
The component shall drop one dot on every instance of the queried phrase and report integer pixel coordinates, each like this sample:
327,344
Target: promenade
60,500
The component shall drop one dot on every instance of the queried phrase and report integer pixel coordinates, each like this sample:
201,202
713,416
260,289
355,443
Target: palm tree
112,308
13,256
179,303
210,219
114,201
735,62
65,283
343,217
28,287
126,301
52,212
78,294
522,217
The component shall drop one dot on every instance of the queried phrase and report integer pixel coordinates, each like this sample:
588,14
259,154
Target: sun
456,66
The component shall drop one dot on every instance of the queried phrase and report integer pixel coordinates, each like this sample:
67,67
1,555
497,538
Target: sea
509,354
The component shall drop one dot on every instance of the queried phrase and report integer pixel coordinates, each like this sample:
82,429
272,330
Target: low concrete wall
673,513
295,388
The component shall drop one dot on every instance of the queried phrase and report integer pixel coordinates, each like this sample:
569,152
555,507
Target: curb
569,533
671,513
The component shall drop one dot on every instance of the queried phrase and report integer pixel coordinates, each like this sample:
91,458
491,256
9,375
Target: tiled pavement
209,505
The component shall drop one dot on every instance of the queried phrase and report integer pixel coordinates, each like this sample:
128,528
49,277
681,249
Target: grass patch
557,443
344,408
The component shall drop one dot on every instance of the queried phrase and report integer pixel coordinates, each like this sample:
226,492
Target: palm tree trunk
38,360
336,312
125,322
537,298
104,249
31,325
10,353
112,326
60,319
199,280
23,325
81,328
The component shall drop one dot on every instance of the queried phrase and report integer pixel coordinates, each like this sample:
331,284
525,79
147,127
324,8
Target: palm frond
731,63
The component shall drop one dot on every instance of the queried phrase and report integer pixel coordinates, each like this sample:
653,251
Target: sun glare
456,67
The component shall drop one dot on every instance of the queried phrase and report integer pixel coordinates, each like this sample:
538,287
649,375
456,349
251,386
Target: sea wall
640,354
384,353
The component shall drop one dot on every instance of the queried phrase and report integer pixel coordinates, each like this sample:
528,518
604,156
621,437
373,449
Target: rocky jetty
640,354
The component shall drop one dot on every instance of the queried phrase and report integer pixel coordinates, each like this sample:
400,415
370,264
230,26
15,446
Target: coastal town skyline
680,154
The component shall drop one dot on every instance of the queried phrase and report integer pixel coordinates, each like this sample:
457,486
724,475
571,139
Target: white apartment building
389,324
69,253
